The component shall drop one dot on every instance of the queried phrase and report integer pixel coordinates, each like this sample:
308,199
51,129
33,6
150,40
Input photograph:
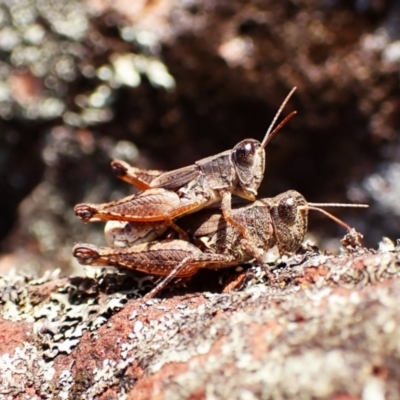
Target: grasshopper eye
287,209
244,152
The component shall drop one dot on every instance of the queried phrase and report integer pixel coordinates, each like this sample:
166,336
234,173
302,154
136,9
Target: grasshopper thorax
248,158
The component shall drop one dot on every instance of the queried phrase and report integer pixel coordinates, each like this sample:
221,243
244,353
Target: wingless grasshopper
169,195
279,221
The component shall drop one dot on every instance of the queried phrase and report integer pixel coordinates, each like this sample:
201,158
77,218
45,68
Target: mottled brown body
170,195
213,234
215,244
269,222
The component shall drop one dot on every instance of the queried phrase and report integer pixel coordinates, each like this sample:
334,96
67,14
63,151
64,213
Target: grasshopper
279,221
169,195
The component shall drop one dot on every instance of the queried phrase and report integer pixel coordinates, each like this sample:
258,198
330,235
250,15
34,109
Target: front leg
246,240
226,207
255,252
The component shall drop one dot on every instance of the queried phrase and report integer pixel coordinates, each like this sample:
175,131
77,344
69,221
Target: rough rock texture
329,330
81,81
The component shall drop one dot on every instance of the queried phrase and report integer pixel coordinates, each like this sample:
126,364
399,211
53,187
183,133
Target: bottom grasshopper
279,221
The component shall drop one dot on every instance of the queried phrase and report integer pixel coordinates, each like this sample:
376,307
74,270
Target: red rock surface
328,330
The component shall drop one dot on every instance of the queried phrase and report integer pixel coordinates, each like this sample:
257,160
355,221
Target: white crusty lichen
60,312
25,368
61,317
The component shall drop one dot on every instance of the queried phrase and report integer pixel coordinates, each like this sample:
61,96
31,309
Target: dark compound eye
244,152
287,209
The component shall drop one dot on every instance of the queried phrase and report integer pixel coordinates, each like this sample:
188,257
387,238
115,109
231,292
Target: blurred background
162,83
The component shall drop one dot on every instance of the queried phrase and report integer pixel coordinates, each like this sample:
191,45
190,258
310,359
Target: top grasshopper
169,195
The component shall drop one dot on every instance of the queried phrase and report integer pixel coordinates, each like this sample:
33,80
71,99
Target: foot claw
84,212
86,254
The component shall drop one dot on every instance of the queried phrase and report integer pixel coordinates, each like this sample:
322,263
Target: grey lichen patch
352,240
107,376
65,383
25,368
74,306
14,295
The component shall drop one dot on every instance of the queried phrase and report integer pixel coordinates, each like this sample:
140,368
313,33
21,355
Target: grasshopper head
289,216
248,158
289,213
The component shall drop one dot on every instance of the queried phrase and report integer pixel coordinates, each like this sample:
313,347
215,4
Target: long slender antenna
316,207
347,205
279,127
269,135
329,215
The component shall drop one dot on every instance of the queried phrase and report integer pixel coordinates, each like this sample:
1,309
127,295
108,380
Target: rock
328,330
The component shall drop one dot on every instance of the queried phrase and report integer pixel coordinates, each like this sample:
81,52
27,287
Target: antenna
269,135
316,207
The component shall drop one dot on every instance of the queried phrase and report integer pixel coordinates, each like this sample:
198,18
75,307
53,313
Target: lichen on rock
334,317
